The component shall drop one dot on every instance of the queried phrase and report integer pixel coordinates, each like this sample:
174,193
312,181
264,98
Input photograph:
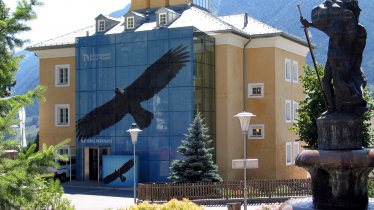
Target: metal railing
225,190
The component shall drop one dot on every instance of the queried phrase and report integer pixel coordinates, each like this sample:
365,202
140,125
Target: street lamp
245,118
134,131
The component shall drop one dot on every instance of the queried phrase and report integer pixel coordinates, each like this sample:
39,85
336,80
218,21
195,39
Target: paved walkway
97,196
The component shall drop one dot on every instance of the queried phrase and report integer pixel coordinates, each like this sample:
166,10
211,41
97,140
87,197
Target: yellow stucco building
254,66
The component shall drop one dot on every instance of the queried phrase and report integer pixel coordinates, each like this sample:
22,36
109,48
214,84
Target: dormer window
130,23
101,25
162,19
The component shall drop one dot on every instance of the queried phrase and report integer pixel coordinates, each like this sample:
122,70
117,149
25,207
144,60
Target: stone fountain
340,167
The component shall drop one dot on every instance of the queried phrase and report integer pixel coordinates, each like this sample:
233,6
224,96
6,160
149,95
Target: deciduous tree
313,106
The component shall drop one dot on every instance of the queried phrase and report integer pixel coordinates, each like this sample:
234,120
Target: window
62,115
101,26
287,70
288,111
62,73
295,150
130,23
295,108
289,153
295,72
162,19
255,90
256,131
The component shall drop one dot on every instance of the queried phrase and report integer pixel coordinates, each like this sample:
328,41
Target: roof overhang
57,51
281,41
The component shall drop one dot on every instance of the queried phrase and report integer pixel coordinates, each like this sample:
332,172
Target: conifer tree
198,165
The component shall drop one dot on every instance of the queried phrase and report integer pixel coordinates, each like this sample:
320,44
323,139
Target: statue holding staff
343,81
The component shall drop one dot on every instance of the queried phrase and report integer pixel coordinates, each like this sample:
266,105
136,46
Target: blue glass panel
125,76
86,102
144,172
104,96
156,49
141,146
86,79
86,41
159,125
105,56
131,37
181,99
131,54
181,32
106,79
105,40
125,124
158,148
87,57
184,77
79,165
160,101
123,146
185,42
175,142
179,122
158,34
159,171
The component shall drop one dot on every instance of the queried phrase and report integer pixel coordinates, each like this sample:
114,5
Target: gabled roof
108,17
134,13
203,20
167,10
190,15
65,40
252,26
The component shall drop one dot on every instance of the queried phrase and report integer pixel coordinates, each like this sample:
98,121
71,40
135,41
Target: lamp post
245,118
134,131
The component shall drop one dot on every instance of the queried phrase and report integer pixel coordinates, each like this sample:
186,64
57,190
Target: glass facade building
159,79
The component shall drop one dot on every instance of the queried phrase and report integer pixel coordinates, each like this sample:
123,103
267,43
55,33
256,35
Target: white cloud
58,17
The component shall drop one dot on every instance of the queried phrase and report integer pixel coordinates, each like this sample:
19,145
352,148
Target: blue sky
58,17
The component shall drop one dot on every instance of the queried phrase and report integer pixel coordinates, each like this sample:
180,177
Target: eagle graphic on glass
127,101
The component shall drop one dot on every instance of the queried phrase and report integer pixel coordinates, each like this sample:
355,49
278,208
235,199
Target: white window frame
58,107
287,70
58,82
295,111
160,19
255,85
101,25
295,72
289,149
130,24
288,111
295,150
256,126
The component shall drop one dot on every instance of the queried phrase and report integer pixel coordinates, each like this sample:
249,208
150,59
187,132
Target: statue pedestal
339,178
340,131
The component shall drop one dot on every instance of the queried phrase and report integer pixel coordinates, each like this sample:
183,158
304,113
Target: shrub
173,204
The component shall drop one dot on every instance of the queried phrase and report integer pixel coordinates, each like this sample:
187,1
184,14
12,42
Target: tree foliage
11,24
198,165
313,106
23,181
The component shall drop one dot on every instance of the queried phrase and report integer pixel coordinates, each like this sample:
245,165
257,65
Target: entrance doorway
93,158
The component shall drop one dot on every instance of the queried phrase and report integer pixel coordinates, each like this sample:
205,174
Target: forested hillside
284,15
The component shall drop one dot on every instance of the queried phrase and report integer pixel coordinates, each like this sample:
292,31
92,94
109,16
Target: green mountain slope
284,15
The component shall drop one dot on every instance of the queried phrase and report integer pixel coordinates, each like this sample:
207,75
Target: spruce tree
198,165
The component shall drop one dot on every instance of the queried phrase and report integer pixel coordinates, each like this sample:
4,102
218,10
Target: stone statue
343,81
